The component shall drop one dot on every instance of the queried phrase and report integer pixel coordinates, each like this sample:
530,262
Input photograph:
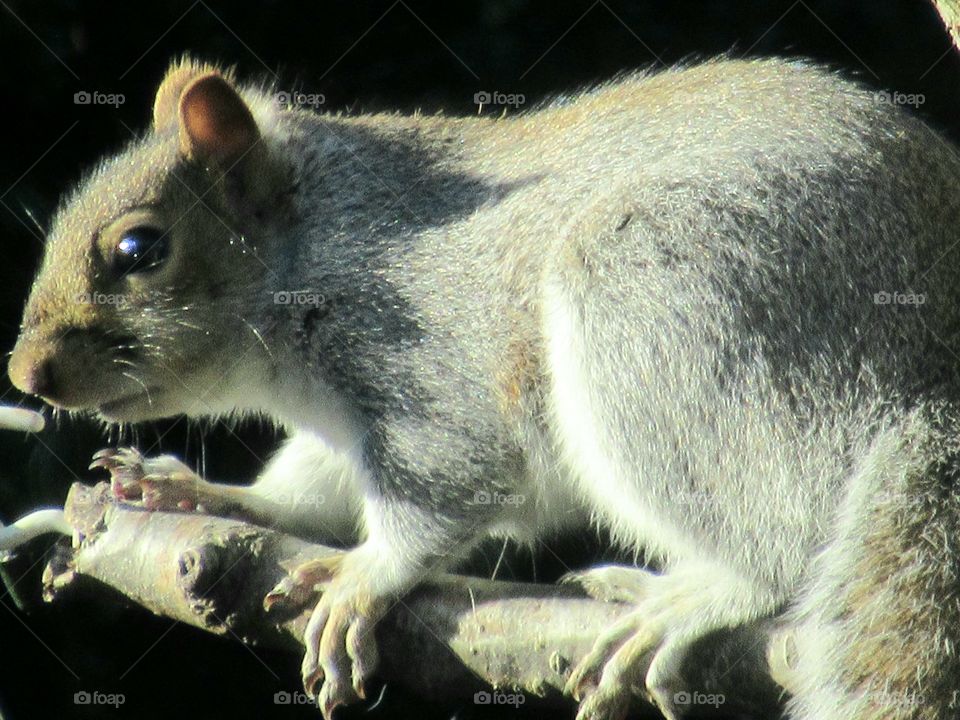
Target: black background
361,56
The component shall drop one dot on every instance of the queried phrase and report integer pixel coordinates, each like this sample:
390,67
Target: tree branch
451,638
949,11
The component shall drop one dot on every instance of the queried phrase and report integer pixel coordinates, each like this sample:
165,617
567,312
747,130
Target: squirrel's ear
166,104
215,123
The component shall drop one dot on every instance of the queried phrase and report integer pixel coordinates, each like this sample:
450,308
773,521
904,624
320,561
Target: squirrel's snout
56,366
31,371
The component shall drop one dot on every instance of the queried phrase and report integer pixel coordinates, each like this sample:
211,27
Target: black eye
140,249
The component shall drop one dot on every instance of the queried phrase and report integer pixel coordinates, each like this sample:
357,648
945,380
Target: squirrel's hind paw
643,652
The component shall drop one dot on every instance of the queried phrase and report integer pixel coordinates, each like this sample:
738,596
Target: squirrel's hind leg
877,626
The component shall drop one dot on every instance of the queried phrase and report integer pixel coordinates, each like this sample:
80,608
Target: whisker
258,336
33,219
186,324
203,454
141,384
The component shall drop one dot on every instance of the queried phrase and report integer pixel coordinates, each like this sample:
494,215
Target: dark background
361,56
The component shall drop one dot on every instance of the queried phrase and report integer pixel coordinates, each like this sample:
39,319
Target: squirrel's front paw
158,483
341,651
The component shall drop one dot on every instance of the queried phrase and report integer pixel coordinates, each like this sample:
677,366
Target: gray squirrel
715,309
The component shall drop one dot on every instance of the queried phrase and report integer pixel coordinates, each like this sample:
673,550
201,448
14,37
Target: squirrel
712,308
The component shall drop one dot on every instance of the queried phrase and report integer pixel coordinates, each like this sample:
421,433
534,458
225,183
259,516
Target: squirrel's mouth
141,405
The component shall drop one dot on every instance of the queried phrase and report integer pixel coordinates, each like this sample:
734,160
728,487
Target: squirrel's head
140,308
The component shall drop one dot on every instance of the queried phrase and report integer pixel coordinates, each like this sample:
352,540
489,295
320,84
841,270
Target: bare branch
449,639
949,11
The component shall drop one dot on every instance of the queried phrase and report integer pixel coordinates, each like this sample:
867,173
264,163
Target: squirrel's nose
31,372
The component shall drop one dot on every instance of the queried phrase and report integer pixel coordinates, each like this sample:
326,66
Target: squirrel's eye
140,249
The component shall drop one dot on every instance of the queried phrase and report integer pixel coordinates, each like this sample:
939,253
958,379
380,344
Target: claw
125,466
312,681
600,706
334,659
99,461
363,653
358,689
578,681
104,454
303,584
333,694
589,669
612,583
111,458
279,596
311,671
311,674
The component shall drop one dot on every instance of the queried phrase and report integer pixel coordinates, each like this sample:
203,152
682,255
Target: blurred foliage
361,56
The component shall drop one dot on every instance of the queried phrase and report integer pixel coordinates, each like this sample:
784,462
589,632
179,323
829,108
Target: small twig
17,418
39,522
